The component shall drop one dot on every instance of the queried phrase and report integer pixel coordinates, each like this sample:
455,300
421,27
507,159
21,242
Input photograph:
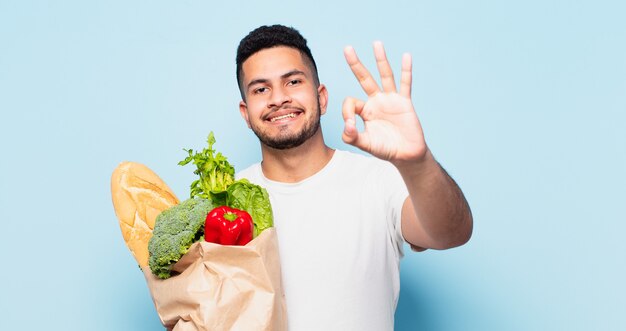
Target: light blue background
523,102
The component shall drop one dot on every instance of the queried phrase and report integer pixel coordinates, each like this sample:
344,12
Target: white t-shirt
340,243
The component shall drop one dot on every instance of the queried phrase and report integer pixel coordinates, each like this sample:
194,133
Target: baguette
139,196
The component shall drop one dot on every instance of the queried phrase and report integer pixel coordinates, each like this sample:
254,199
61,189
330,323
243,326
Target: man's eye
294,82
260,90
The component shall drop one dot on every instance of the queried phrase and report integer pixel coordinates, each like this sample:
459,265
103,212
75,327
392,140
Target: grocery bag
222,287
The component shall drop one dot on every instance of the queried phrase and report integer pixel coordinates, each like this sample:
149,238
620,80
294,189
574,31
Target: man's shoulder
251,172
351,156
356,159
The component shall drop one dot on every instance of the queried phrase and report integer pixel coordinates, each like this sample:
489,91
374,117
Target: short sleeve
395,194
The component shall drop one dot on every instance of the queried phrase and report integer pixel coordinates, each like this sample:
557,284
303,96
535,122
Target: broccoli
175,230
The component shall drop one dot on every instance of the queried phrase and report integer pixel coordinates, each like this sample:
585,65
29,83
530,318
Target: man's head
272,36
282,99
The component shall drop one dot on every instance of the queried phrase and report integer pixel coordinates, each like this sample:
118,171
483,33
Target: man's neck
298,163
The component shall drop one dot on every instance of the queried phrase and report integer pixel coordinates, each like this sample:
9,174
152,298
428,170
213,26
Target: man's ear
243,110
322,97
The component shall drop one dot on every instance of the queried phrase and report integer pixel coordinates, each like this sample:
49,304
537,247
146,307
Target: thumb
351,107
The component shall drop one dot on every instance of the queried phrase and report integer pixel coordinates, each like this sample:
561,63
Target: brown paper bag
223,288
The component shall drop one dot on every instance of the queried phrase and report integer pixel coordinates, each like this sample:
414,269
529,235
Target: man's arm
436,214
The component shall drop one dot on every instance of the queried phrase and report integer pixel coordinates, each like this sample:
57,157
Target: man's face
282,104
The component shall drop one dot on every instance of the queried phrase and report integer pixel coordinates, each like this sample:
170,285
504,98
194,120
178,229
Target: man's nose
279,97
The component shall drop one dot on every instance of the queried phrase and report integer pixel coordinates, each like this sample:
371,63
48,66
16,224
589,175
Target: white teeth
278,118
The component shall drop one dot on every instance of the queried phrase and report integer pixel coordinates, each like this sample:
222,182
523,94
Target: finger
360,72
351,107
406,76
386,74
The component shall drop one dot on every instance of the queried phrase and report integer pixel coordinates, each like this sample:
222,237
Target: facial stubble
284,140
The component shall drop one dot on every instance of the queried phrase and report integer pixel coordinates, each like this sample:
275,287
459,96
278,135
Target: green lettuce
249,197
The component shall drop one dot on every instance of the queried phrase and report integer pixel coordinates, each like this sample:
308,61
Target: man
341,218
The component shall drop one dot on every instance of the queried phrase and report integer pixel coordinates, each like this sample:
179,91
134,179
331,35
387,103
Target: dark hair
265,37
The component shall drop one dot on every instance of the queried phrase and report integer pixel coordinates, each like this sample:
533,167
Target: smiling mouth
284,117
278,118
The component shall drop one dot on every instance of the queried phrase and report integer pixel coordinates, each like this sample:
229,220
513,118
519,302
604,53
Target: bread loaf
139,196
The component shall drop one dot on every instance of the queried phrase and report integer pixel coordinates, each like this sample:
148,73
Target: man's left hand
392,130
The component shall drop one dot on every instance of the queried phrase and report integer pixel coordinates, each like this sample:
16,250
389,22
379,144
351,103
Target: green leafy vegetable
216,174
255,200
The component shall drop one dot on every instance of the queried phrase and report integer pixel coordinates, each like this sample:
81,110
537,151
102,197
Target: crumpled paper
223,288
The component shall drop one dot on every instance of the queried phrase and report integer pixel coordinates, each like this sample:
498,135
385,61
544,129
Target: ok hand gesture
392,130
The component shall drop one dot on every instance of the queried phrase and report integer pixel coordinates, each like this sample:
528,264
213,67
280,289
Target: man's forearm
438,215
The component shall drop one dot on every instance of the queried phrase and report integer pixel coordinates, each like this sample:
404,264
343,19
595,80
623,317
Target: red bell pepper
228,226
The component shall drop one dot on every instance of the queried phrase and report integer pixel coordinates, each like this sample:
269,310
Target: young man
341,218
